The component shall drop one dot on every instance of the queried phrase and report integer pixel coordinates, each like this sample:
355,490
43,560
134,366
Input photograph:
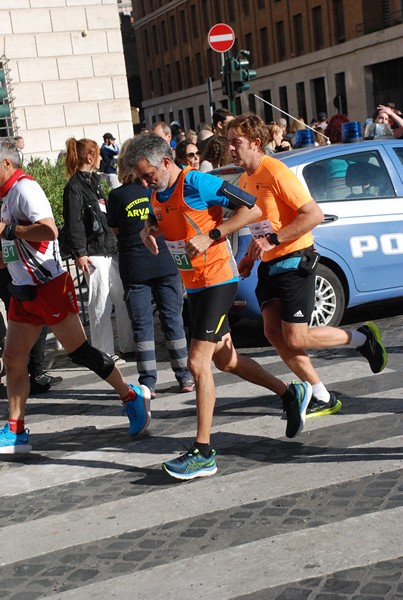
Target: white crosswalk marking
90,514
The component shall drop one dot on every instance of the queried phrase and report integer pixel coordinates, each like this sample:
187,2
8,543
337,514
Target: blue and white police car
359,187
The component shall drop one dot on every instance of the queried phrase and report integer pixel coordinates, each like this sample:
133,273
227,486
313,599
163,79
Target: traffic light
241,74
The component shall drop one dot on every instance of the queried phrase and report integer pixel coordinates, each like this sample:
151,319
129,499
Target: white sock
320,392
357,338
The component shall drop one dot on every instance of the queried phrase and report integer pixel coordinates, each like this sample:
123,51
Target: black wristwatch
214,234
273,239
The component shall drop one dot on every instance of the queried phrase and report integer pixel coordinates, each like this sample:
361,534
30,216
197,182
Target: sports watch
214,234
273,239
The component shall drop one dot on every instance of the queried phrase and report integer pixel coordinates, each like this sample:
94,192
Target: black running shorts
295,290
209,309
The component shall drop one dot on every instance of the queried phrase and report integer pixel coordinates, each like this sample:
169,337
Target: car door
361,198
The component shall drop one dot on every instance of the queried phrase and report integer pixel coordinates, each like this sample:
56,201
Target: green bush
52,179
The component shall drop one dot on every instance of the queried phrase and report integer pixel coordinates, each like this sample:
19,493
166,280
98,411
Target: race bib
260,229
9,251
177,250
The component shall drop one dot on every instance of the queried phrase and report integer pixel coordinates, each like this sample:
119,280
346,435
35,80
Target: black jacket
81,194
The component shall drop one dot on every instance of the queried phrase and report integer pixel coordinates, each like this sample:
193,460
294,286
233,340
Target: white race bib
260,229
177,250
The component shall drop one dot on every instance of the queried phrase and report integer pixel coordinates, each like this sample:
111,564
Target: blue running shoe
190,465
138,410
14,443
296,408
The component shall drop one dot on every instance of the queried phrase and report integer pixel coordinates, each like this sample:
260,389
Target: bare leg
199,363
19,341
227,359
71,335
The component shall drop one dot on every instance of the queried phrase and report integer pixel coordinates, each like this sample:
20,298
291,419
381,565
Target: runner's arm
44,230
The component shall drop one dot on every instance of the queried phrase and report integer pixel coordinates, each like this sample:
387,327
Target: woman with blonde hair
276,142
93,246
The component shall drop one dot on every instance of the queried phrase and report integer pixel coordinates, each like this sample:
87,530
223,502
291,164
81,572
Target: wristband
9,232
273,239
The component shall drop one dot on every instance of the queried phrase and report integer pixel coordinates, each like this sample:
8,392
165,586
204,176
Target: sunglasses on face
192,154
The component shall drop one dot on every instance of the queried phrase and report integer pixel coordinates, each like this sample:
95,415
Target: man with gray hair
187,209
42,293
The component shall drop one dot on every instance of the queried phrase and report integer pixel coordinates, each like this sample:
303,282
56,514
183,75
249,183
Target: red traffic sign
221,37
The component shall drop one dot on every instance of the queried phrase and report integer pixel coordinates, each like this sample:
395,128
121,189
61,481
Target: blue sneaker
190,465
138,410
14,443
296,408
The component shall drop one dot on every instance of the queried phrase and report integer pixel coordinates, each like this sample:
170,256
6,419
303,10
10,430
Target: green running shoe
373,349
318,408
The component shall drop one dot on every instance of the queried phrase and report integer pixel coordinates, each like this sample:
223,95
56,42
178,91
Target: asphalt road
90,514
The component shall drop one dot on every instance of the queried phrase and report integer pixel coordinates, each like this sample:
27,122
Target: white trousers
105,290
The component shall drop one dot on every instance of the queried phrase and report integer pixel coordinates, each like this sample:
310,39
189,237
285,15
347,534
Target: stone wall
68,71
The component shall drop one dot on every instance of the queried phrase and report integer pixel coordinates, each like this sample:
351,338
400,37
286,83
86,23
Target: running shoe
373,349
296,408
14,443
117,360
318,408
190,465
186,386
138,410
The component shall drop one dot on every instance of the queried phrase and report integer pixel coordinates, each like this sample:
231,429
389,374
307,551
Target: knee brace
92,358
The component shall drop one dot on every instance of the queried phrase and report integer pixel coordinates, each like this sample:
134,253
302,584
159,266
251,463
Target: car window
350,176
399,153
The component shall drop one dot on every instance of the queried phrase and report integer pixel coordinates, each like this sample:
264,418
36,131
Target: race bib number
9,251
177,250
260,229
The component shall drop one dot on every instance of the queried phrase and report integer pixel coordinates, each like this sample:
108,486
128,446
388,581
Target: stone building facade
67,71
308,55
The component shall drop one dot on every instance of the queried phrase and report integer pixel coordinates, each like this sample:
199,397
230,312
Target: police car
359,187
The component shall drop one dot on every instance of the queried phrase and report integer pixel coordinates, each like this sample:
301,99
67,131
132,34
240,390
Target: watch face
215,234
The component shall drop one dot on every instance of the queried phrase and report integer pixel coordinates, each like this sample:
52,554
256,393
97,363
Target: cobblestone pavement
90,514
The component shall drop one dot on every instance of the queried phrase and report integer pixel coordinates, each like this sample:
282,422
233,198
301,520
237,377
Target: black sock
288,394
204,449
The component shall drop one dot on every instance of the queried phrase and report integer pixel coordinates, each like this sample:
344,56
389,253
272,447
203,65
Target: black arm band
236,196
9,232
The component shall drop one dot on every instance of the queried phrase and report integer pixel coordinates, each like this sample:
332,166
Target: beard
163,184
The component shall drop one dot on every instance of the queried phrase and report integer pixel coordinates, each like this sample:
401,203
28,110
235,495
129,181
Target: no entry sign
221,37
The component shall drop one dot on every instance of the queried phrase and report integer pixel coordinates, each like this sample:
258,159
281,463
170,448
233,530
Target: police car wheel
330,300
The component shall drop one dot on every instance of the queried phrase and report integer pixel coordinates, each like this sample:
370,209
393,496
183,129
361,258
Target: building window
188,73
245,7
164,35
210,64
178,73
146,43
249,43
202,115
151,83
155,39
341,97
298,35
317,27
231,10
217,11
280,40
194,19
180,117
282,91
172,25
206,16
319,93
190,117
183,27
160,82
260,4
252,103
199,68
338,19
301,101
168,75
7,116
264,46
268,110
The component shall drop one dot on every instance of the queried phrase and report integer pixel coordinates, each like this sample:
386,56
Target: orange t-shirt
279,196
